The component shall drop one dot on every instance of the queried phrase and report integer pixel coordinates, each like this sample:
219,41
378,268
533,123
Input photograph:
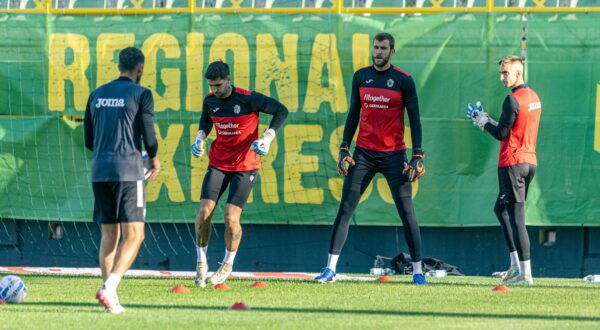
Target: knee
109,243
204,214
135,236
110,237
405,207
139,236
349,201
203,218
231,221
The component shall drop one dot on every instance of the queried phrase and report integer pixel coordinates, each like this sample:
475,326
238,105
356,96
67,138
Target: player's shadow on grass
333,311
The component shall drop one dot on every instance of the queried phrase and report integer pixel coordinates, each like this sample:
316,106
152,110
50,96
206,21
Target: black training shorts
514,182
240,185
117,202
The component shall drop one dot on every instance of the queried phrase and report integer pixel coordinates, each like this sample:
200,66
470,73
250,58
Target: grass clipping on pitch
455,302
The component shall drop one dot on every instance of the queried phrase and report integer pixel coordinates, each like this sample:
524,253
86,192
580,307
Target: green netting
49,64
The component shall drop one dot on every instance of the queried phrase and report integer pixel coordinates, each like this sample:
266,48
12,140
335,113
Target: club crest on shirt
390,82
236,109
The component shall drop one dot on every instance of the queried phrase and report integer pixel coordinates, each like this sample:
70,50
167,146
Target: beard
385,61
138,79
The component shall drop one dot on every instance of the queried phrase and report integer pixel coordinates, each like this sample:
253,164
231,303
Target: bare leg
133,236
233,229
108,248
233,236
203,228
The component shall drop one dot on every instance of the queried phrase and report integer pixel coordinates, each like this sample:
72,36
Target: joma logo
110,103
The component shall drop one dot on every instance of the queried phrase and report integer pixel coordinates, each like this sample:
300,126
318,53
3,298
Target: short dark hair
129,58
385,36
217,70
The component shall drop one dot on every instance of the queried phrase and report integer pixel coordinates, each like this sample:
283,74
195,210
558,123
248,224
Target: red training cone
222,286
384,279
502,288
180,289
240,306
260,285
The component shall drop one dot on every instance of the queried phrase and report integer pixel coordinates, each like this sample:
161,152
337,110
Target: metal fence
132,7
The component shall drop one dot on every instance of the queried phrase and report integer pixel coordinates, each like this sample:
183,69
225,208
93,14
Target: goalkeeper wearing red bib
380,94
517,131
234,159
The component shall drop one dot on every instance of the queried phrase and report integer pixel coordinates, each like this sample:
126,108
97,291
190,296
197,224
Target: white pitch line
66,271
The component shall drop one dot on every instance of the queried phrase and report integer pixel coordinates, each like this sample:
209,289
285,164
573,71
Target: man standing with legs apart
380,93
234,160
118,116
517,131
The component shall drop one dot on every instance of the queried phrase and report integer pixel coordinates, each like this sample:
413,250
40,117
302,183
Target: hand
474,110
154,170
480,119
344,157
415,169
261,146
198,145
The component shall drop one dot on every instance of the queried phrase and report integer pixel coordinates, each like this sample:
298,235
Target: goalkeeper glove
343,158
474,110
261,146
480,119
198,145
415,169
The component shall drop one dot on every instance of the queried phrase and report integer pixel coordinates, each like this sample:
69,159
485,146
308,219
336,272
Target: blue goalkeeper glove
474,110
198,145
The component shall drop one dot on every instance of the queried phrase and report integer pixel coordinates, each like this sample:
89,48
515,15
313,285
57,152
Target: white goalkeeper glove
261,146
480,118
198,145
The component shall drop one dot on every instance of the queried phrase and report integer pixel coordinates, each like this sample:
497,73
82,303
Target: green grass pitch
59,302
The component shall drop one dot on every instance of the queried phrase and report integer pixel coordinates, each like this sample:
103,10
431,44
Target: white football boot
201,274
221,274
511,274
110,301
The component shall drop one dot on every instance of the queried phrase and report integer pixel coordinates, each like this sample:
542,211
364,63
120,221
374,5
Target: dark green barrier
49,64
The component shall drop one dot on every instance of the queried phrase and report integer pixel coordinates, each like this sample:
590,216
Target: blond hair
511,59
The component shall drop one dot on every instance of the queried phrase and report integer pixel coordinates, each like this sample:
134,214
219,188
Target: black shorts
240,184
117,202
514,182
368,163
